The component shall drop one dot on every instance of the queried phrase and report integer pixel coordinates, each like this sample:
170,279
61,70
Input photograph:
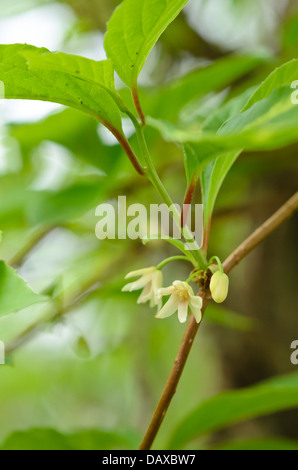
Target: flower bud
219,286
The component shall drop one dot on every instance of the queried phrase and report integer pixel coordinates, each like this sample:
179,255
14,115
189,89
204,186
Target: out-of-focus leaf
198,83
49,207
13,192
269,124
290,34
49,439
25,78
14,292
81,348
197,157
226,318
74,130
268,121
277,443
19,6
225,112
238,405
173,241
133,30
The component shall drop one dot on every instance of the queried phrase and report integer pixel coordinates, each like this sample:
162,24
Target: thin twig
262,232
36,237
173,380
170,388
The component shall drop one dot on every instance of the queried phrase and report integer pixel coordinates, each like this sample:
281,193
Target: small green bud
219,286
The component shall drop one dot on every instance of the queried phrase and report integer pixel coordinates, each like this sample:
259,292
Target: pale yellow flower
150,281
219,286
182,297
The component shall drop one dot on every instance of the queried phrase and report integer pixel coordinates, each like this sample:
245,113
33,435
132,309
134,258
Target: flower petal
197,313
139,284
179,283
146,294
157,280
182,311
183,285
165,291
169,308
155,302
196,302
140,272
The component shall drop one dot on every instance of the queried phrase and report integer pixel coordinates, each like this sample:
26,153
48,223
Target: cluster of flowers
181,294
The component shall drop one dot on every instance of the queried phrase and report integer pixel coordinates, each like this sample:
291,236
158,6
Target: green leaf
170,100
96,72
35,73
14,292
270,124
200,148
225,112
282,76
268,121
49,439
212,178
214,77
236,406
133,30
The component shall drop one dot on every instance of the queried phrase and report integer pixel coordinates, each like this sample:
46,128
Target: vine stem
173,258
171,385
262,232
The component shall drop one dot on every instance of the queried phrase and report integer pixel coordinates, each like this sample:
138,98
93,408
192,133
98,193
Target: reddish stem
136,100
188,199
170,388
126,147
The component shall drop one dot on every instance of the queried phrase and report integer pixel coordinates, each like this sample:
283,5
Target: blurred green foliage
85,369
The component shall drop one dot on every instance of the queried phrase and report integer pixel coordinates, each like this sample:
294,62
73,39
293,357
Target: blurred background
103,362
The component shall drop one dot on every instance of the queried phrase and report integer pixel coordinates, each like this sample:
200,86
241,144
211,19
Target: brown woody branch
170,388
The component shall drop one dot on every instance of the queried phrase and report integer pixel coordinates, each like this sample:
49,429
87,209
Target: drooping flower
219,286
150,281
181,297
